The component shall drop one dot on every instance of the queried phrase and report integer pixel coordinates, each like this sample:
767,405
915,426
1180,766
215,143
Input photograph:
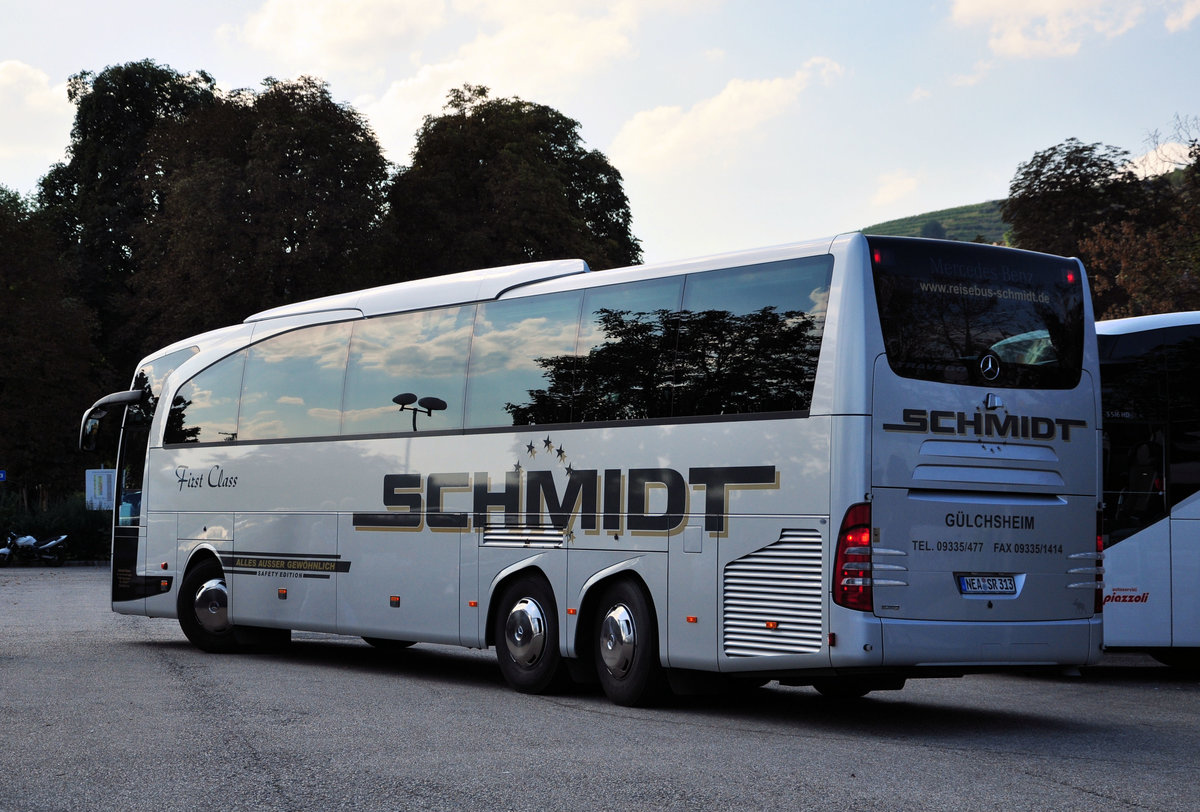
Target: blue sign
3,475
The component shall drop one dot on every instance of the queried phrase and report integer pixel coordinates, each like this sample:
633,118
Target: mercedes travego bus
840,463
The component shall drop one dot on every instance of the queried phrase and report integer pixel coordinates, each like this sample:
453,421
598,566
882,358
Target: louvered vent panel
523,536
778,584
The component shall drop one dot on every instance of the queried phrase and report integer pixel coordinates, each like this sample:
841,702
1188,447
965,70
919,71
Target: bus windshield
971,314
137,431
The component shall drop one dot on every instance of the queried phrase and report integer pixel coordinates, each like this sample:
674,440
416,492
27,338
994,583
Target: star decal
549,446
517,466
562,453
531,450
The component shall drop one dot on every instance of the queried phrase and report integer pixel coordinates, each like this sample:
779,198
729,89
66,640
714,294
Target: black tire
1181,659
625,640
387,644
525,631
206,624
841,689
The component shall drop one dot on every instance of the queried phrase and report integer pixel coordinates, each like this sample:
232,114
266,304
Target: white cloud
893,187
1046,28
981,70
530,53
1182,16
45,116
670,138
1164,158
919,94
328,35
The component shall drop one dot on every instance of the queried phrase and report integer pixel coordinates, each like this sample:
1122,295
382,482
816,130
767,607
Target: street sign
3,475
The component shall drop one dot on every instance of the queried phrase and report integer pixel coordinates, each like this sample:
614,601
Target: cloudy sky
734,124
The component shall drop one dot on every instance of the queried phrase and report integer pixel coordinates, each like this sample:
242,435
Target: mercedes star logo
989,366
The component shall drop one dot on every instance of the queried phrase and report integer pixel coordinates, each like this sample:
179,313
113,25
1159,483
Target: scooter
27,548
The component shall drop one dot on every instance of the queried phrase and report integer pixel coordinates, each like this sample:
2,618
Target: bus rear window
964,313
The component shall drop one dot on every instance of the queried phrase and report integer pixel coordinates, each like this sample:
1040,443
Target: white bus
1150,370
839,463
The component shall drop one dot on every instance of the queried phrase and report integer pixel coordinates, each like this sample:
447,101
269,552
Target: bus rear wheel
626,646
525,629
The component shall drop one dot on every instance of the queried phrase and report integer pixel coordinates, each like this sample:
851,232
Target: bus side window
293,384
423,353
749,338
514,378
205,408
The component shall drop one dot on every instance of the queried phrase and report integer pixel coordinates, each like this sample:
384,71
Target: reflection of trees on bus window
723,364
944,307
739,341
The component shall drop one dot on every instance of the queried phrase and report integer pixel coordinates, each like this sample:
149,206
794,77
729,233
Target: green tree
1062,194
95,199
254,201
47,358
1156,264
501,181
933,229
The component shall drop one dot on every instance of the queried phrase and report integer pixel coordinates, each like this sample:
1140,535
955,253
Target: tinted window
205,409
423,353
626,351
293,384
1151,397
749,338
514,378
971,314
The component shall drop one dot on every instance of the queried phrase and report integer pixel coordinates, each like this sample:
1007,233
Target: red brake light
852,563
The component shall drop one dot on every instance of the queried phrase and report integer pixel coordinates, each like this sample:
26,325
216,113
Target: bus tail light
852,563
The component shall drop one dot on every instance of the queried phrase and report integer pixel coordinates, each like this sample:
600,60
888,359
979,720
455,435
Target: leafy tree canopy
1060,196
1157,264
253,201
45,355
502,181
95,199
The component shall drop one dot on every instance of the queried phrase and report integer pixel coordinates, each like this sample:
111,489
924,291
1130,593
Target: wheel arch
526,569
196,557
589,607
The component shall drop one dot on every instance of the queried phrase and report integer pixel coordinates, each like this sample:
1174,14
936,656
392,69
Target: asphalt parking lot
106,711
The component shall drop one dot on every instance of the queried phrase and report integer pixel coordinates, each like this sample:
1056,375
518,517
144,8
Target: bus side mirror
89,428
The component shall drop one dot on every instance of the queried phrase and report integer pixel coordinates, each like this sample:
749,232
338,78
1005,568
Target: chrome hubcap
618,640
212,606
525,632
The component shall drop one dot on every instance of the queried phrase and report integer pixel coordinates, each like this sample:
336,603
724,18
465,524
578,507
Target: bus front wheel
525,630
626,646
204,608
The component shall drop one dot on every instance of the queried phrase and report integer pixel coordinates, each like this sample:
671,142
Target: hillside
980,221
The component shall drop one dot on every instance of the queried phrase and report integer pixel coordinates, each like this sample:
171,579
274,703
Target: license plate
987,584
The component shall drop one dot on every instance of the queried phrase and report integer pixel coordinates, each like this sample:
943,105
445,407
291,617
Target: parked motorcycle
27,548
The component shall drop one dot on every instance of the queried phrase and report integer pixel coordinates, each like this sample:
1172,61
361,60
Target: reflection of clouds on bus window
293,383
513,347
424,353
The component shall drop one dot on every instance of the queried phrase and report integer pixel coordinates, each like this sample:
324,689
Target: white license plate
987,584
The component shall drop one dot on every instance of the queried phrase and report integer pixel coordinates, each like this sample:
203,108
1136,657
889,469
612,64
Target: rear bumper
985,645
